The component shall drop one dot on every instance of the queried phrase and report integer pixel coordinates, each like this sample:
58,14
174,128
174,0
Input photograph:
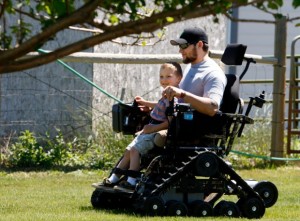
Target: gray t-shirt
205,79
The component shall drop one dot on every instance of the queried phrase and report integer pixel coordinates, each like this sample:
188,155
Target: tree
110,19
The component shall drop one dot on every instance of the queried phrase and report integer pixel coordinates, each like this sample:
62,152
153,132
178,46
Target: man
203,81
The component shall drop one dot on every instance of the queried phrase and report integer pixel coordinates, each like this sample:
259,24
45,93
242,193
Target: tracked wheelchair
190,175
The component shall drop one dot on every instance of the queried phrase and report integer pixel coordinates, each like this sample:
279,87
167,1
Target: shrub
105,147
108,146
26,152
94,152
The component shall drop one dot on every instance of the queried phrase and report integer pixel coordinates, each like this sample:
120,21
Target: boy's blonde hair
173,65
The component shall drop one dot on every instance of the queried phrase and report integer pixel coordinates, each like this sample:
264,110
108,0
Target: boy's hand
148,128
140,100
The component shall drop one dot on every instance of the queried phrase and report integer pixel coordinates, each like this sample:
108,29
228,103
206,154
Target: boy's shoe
104,184
125,187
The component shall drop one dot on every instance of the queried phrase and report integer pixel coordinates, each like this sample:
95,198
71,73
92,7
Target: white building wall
47,98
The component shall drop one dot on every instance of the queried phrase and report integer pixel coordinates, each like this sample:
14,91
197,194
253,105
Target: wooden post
277,139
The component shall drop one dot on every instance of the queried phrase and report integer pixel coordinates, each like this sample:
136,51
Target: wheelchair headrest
234,54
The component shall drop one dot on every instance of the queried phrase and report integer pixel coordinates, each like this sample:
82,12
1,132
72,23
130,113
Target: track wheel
253,208
268,192
200,208
176,208
98,199
227,208
206,164
154,206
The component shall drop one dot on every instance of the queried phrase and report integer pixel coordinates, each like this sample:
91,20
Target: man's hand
170,92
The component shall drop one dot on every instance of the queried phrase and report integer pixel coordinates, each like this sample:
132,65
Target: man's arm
202,104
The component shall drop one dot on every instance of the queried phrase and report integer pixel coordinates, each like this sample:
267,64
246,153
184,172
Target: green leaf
47,10
275,5
170,19
296,3
59,8
114,19
272,6
279,2
144,43
9,7
5,41
160,34
278,15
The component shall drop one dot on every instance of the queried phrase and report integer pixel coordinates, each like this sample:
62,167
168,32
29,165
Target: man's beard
191,58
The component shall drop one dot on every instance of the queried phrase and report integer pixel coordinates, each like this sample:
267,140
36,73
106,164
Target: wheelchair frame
189,175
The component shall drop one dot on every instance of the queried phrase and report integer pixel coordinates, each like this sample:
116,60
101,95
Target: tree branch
293,19
2,8
27,14
131,27
79,16
148,24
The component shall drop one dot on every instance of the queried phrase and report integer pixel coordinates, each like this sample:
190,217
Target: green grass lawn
66,196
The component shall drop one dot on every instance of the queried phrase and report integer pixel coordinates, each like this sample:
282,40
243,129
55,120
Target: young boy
170,75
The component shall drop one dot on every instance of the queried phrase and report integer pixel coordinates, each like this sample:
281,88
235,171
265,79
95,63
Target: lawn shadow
65,169
123,211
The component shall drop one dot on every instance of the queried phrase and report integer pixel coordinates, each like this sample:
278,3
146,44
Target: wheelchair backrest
231,94
233,55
